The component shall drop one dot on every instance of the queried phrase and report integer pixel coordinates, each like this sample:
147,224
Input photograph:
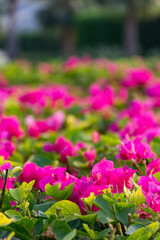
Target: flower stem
4,188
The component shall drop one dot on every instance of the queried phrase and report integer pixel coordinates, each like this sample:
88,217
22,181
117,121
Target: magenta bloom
56,121
152,133
139,125
71,63
95,137
45,68
151,190
153,167
90,155
5,166
53,123
101,98
6,148
10,127
103,173
153,89
136,77
10,180
135,150
62,146
33,172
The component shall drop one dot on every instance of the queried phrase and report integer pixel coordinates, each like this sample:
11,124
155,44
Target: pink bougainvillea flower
33,172
45,68
137,76
153,90
139,125
152,133
4,166
153,167
6,148
10,127
62,146
95,137
79,146
135,150
105,174
71,63
101,98
151,190
53,123
34,99
90,155
10,180
56,121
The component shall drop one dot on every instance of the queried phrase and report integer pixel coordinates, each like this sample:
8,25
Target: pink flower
136,77
49,175
56,121
62,146
10,127
34,99
71,63
103,173
152,133
153,89
32,172
95,137
6,148
79,146
4,166
45,68
90,155
10,180
153,167
151,190
101,98
135,150
36,127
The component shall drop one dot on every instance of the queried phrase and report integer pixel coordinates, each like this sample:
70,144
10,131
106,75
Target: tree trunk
131,38
68,34
12,38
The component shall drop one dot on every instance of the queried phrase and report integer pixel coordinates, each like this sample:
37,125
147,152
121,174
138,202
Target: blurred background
43,29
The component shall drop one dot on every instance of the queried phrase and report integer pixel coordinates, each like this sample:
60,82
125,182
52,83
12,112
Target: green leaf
15,170
101,216
103,204
26,223
157,176
40,160
102,234
21,193
145,233
38,226
19,230
61,228
134,227
70,235
4,221
89,231
83,235
68,209
123,210
89,218
155,144
158,237
54,191
43,206
13,214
